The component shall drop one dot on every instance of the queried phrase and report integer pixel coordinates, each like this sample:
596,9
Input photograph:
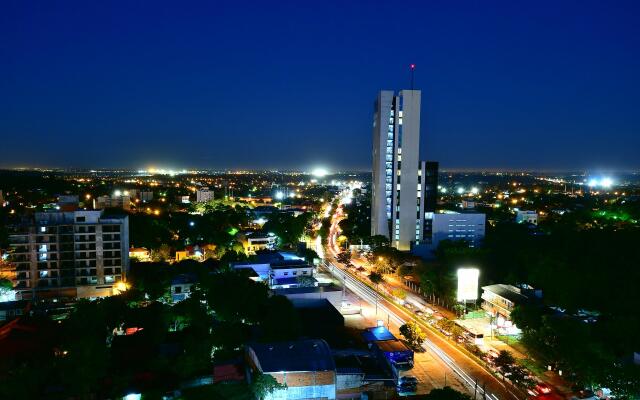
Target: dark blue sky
291,84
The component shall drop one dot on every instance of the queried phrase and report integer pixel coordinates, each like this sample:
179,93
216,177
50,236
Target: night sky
275,84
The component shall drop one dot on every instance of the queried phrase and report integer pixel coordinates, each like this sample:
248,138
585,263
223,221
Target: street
464,367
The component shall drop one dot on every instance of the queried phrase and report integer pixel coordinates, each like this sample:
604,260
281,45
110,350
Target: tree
413,334
287,227
399,293
161,254
344,257
6,286
505,360
309,255
305,281
378,241
234,297
404,269
264,384
151,278
527,316
376,278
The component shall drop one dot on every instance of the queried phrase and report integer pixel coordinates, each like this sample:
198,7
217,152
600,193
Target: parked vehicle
406,388
408,379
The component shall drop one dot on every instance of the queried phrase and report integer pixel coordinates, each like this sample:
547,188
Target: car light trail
372,297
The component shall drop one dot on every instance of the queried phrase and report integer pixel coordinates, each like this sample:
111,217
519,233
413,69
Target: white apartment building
204,195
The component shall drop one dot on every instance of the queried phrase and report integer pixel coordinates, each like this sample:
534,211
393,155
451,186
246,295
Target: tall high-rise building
429,180
397,209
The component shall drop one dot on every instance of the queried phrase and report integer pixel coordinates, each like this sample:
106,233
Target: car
408,379
532,391
419,313
543,388
406,388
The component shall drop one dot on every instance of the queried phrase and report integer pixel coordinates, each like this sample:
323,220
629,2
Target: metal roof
508,292
299,356
377,333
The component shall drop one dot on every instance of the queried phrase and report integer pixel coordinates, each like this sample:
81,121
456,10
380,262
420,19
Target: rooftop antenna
412,67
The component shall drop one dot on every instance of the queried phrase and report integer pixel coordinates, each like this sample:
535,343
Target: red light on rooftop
412,66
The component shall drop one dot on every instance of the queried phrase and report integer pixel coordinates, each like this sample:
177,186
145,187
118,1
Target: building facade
204,195
527,217
116,201
68,255
253,242
397,207
306,367
469,227
499,300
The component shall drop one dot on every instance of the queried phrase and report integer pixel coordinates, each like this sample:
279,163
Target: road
460,363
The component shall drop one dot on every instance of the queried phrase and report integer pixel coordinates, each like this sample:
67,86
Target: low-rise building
139,253
181,287
456,226
146,195
305,366
116,201
499,301
255,241
68,202
331,293
13,309
281,270
527,217
184,199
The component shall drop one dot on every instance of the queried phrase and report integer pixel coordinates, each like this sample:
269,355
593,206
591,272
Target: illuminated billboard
468,284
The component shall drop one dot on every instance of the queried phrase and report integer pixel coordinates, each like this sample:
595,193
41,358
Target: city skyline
170,87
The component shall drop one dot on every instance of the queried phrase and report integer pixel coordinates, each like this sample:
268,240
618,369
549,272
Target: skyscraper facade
429,180
397,207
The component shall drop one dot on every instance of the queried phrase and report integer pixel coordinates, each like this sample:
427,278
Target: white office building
469,227
397,208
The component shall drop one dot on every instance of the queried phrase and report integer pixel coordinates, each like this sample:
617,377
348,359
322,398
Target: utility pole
475,390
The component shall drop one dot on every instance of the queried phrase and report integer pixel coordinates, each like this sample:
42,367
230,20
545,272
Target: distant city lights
279,195
320,172
604,182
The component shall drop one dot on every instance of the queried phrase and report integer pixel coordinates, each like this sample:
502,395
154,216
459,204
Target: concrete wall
334,297
305,385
